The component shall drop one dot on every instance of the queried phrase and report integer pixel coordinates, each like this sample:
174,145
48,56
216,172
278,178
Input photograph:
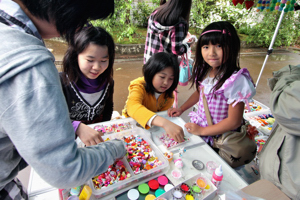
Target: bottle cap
219,171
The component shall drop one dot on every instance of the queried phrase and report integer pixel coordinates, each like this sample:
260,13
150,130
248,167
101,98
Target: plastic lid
189,197
196,189
219,171
162,180
159,192
143,188
150,197
198,164
133,194
168,187
176,174
153,184
177,194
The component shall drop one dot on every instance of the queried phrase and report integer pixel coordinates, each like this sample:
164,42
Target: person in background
153,93
35,127
167,28
217,74
87,81
279,158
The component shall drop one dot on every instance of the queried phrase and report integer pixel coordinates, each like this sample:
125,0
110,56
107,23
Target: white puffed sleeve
241,86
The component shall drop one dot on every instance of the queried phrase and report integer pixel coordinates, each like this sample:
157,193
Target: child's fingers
172,113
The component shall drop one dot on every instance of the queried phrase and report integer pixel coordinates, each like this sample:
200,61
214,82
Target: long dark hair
222,33
70,15
173,11
157,63
91,35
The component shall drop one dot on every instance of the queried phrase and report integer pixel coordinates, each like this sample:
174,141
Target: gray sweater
35,127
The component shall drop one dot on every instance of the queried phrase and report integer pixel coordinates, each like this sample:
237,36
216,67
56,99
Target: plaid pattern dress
218,102
165,38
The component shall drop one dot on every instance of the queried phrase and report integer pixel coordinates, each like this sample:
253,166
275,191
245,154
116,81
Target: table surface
196,149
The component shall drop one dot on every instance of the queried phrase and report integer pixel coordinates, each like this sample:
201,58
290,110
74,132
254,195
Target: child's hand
174,112
193,128
88,135
174,131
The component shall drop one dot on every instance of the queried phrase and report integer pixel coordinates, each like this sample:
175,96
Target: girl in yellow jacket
153,93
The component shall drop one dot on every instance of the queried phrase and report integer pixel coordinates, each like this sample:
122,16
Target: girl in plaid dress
217,74
167,28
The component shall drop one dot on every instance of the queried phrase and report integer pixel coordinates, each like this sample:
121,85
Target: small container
189,197
169,156
150,197
201,182
168,187
207,188
196,191
143,188
178,163
185,188
177,194
162,180
211,166
176,174
133,194
63,194
75,190
86,193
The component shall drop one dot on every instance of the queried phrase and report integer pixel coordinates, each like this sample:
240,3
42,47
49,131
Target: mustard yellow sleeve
134,105
168,104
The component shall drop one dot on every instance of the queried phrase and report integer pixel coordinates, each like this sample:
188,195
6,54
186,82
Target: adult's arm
285,98
37,122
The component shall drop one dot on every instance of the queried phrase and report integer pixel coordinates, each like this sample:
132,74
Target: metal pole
270,50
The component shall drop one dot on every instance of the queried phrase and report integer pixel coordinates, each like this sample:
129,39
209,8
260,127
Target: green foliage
262,33
208,11
120,20
258,27
142,11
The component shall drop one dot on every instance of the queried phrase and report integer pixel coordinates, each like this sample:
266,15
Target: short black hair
69,15
157,63
91,35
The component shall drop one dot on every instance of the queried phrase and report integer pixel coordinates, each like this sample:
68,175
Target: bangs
214,38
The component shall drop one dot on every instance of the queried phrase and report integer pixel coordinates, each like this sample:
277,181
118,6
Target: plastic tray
164,135
264,108
207,195
255,123
155,132
116,126
135,179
